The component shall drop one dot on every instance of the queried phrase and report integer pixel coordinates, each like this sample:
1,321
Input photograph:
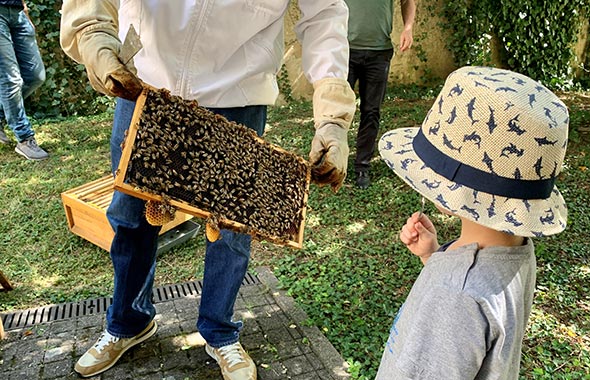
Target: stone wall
582,50
406,67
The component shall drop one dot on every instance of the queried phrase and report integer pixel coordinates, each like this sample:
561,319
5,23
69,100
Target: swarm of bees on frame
187,153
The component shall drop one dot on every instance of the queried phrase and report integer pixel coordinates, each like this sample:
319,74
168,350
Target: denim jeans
133,252
371,69
21,69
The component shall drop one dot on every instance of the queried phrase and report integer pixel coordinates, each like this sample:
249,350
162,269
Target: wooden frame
121,185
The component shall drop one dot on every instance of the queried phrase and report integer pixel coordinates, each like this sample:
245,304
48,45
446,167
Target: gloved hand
329,156
333,110
106,72
89,35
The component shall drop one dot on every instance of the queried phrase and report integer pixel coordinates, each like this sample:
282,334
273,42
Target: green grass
351,275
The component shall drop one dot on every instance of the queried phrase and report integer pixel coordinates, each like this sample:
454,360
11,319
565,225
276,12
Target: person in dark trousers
370,26
21,72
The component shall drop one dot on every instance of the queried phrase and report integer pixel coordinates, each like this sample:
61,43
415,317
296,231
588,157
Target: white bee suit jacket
221,53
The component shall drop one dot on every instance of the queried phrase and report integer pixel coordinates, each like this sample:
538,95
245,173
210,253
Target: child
488,152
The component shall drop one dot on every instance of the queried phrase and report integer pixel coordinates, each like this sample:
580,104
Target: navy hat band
477,179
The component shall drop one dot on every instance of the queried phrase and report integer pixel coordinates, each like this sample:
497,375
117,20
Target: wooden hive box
6,285
185,156
85,207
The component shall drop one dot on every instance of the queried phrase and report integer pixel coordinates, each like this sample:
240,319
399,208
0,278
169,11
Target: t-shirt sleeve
441,335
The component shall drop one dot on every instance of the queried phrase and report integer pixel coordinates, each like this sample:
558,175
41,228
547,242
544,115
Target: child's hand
419,235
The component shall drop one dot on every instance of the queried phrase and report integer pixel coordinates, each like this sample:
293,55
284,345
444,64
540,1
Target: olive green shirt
370,24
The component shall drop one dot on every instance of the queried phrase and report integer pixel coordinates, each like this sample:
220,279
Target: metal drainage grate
30,317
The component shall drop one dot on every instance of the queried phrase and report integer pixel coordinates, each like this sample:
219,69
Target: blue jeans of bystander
133,252
21,68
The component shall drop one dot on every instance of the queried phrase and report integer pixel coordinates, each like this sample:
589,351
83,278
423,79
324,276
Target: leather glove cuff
333,103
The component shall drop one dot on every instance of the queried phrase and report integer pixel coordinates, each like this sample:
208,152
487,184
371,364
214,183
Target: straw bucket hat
489,150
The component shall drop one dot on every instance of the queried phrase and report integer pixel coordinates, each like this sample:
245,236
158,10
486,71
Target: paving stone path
275,334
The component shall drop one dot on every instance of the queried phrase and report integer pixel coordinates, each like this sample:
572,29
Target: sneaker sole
30,158
142,337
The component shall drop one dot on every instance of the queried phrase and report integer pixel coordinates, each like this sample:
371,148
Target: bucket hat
489,150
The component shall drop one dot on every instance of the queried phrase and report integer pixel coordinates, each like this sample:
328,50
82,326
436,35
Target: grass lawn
352,274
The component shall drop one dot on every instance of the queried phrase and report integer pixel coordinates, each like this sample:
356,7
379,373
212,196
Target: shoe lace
104,340
32,143
232,354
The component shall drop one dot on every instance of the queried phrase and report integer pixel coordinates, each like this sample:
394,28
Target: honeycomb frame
291,237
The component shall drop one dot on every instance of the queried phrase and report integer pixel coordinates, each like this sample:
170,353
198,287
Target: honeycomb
186,153
159,213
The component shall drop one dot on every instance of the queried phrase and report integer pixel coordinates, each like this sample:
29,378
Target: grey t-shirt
465,316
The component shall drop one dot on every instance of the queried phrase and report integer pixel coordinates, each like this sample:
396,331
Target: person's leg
226,259
226,262
133,249
32,72
133,254
28,55
355,66
372,88
11,81
18,45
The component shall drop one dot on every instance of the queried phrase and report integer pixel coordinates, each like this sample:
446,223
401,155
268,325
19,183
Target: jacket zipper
188,56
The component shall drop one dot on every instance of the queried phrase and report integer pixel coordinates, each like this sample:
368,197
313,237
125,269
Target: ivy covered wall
535,37
66,90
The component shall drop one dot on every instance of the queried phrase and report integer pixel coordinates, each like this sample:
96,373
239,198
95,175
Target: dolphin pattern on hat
489,149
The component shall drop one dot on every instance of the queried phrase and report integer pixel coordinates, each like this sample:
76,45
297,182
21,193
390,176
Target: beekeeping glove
89,35
333,110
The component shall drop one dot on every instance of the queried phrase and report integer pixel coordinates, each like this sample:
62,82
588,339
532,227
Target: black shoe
362,180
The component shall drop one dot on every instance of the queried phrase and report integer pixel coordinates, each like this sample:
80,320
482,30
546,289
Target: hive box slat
6,285
121,184
85,207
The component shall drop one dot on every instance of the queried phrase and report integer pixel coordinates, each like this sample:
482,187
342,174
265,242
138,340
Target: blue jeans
370,68
133,252
21,69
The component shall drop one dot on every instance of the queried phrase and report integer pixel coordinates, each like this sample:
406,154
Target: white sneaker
235,363
108,350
